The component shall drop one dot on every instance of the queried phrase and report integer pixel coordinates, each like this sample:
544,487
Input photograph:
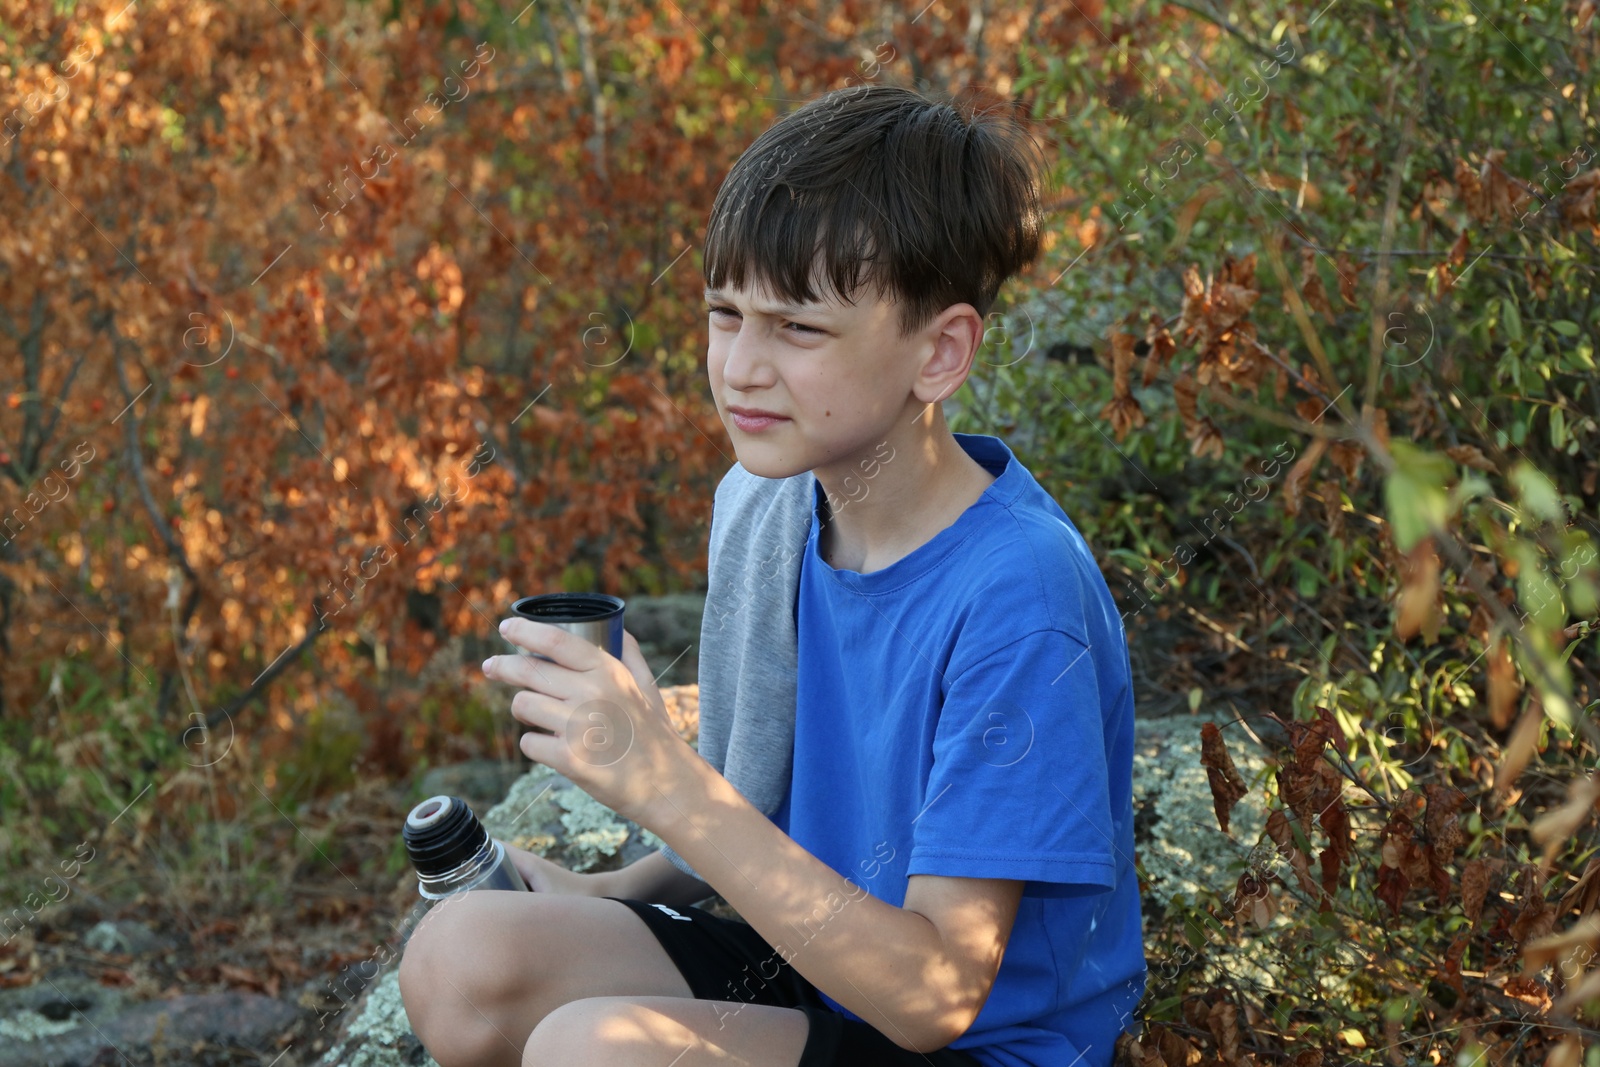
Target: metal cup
595,617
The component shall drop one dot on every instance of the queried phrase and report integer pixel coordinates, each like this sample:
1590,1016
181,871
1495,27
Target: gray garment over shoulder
749,647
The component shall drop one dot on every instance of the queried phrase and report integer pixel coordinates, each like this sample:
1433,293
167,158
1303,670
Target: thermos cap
441,834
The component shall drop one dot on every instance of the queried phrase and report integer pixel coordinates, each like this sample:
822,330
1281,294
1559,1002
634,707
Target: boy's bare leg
483,969
645,1031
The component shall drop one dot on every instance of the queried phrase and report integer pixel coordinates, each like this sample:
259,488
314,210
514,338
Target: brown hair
928,200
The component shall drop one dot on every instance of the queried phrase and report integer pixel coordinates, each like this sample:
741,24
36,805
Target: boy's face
841,376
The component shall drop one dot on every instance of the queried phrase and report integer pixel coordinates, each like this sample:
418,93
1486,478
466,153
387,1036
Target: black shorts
722,959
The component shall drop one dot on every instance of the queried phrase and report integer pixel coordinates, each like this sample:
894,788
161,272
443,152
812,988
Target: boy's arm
656,879
918,977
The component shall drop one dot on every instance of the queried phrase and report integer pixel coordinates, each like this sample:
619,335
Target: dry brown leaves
1418,843
1253,897
1227,786
1554,829
1161,348
1504,683
1475,877
1122,410
1420,607
1490,192
1577,199
1312,787
1294,483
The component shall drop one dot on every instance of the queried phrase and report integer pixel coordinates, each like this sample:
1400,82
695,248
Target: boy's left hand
608,727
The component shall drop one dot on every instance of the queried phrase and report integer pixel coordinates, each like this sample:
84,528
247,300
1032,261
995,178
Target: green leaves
1415,493
1536,494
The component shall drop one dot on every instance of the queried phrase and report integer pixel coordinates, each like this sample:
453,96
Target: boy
949,878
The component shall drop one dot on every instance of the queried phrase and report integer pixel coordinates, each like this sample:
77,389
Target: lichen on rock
29,1025
380,1034
1180,845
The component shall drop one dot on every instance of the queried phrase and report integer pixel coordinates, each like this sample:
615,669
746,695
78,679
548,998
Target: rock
545,813
480,782
127,938
1176,836
63,1002
668,631
162,1029
1178,842
379,1035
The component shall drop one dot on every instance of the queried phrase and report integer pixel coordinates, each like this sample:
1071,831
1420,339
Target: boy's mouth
754,419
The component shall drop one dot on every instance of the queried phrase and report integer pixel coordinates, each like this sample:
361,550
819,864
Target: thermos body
595,617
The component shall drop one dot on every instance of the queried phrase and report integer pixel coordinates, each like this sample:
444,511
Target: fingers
535,710
526,672
567,649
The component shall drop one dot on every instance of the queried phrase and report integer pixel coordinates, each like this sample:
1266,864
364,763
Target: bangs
878,189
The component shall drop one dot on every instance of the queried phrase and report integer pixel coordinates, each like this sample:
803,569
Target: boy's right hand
545,876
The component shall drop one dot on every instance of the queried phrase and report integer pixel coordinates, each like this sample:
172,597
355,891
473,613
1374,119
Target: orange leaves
1504,683
1122,411
1226,784
1419,608
1489,192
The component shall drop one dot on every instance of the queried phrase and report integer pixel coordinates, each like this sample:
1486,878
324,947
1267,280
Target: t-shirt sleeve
1019,785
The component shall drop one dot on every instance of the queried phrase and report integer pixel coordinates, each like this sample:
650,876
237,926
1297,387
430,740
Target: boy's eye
718,309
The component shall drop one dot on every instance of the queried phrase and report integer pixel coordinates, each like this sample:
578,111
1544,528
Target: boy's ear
955,336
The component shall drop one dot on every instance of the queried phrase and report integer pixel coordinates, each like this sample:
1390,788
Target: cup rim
567,607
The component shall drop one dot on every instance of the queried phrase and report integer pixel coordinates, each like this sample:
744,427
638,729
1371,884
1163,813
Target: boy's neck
925,486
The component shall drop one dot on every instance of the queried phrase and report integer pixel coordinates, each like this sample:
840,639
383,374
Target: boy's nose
746,365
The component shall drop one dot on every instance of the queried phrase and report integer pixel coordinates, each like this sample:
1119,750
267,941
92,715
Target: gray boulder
1179,847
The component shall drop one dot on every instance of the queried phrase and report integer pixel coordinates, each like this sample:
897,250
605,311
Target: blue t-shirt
968,711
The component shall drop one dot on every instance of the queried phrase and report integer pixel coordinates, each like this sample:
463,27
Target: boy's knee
438,988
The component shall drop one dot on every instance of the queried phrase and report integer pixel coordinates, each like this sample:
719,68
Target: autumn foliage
327,329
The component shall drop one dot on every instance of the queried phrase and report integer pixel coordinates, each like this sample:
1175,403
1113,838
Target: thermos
595,617
449,847
453,853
